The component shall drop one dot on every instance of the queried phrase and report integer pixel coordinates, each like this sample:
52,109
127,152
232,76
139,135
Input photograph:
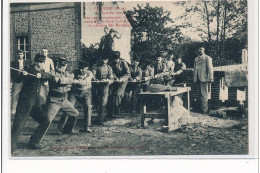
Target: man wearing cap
203,74
178,71
159,70
47,65
57,99
27,99
121,74
133,84
148,73
104,77
169,63
17,78
80,92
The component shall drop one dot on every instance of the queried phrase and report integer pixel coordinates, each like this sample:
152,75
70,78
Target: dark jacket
179,67
83,85
60,84
104,72
148,72
121,70
31,85
106,43
18,76
136,72
178,70
159,68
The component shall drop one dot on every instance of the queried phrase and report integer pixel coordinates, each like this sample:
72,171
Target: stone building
55,26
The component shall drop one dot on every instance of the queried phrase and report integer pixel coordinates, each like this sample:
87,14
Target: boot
69,126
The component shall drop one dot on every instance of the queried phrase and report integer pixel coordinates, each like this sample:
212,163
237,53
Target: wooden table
167,97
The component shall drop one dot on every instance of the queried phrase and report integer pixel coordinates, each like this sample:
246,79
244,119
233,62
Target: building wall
19,26
54,26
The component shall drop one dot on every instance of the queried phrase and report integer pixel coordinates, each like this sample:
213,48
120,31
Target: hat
63,61
112,30
39,58
117,54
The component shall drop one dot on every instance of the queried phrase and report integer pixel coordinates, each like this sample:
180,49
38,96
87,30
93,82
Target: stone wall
57,29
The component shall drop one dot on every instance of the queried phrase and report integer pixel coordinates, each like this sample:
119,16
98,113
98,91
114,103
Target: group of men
40,90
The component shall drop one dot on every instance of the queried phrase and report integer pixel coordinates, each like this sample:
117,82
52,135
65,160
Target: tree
215,22
153,31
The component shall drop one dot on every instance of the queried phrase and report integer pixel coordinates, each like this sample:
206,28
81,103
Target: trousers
101,96
117,90
67,123
135,88
203,95
23,110
26,106
53,106
16,88
40,103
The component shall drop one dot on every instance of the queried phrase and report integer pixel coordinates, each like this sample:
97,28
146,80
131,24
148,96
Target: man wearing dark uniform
57,99
159,70
134,86
148,73
121,74
28,96
17,78
169,63
80,92
104,77
203,74
178,71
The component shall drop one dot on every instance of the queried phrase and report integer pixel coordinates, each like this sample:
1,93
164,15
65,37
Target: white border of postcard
151,164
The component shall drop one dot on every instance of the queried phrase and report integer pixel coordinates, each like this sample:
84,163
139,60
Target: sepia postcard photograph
130,78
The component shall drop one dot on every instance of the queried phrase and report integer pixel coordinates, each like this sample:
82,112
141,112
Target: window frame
23,40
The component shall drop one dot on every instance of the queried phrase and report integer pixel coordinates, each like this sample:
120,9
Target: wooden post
143,110
188,100
167,109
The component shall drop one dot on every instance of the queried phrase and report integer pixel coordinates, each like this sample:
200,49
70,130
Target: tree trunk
224,25
208,22
218,16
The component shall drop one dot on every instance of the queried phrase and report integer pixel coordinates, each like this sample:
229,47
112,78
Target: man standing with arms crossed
203,74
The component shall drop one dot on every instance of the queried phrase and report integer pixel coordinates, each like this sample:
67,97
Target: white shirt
47,65
169,64
20,64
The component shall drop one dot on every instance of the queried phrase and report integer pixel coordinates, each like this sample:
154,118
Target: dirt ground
124,136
